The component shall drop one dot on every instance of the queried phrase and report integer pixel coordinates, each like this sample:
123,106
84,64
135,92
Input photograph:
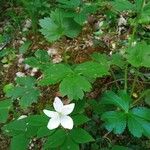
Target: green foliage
122,100
74,86
93,69
73,81
69,144
81,136
23,144
25,91
122,5
5,106
77,10
57,25
56,139
115,121
139,55
137,119
55,73
23,49
35,9
41,60
145,14
24,130
80,119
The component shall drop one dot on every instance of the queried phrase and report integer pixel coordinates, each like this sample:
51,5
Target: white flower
60,116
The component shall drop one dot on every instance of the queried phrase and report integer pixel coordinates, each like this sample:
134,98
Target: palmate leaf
50,29
137,125
122,5
74,86
139,56
55,73
122,100
41,60
115,121
137,119
92,69
58,25
23,130
117,60
25,90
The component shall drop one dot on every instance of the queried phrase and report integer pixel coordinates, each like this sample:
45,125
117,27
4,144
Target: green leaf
41,60
20,142
58,25
80,119
56,139
117,147
25,90
50,30
103,59
115,121
142,112
139,55
147,97
122,5
81,17
74,86
23,49
71,4
81,136
92,69
69,144
54,74
80,107
15,127
139,5
145,14
121,101
44,131
5,106
138,126
7,87
117,60
37,120
71,28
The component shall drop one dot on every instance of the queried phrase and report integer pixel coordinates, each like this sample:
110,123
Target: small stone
26,66
57,59
52,51
20,74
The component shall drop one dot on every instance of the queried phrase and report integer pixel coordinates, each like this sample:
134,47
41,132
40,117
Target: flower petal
67,109
66,122
53,123
58,105
51,114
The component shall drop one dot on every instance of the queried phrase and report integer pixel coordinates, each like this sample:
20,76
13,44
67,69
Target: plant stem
113,75
134,83
126,78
